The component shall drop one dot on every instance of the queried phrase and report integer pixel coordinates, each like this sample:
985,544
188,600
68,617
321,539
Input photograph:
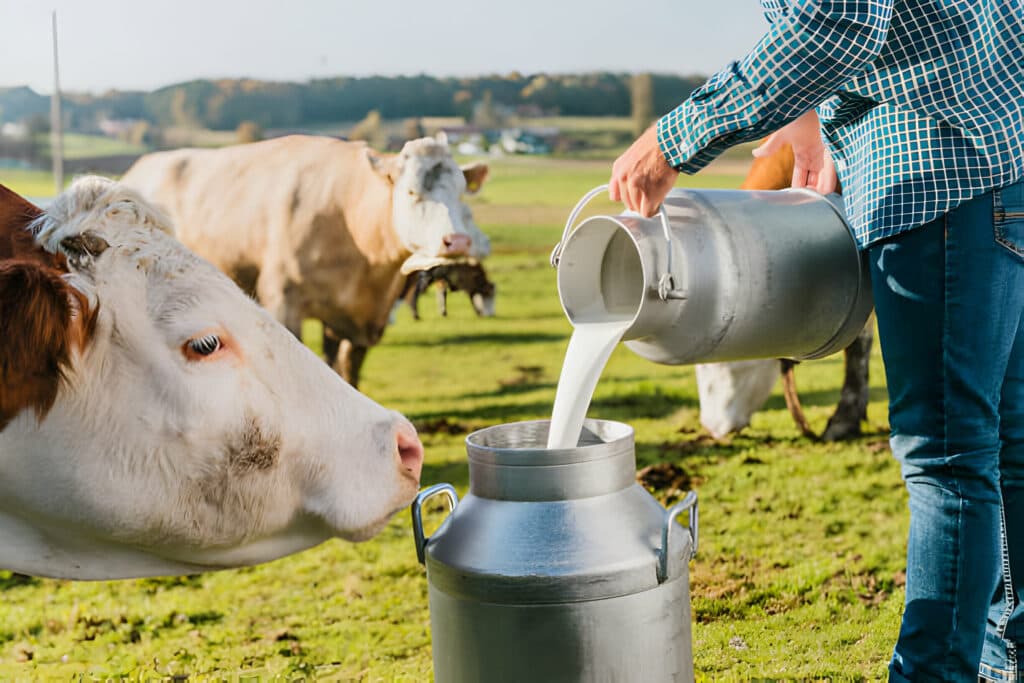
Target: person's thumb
769,146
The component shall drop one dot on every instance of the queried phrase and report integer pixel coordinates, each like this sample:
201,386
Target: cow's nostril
410,450
456,244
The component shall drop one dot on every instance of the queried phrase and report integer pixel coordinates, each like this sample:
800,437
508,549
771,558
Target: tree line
224,104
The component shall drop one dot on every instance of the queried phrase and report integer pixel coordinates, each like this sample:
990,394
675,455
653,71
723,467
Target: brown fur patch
16,242
40,325
253,449
42,318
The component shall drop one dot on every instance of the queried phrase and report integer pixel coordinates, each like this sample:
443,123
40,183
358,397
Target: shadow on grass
486,415
510,388
701,447
15,580
509,338
639,404
823,397
622,407
454,472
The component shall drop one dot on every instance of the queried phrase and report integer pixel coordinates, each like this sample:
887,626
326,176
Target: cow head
471,278
429,216
168,413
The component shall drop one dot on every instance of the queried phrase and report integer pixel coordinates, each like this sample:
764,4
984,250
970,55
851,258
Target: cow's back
312,208
230,204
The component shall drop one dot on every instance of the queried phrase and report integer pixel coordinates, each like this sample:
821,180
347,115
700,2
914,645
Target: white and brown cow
320,228
730,393
154,419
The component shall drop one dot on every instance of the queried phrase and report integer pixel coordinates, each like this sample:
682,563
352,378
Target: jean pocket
1008,217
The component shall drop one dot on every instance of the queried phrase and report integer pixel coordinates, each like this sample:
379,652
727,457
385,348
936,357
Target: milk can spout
666,282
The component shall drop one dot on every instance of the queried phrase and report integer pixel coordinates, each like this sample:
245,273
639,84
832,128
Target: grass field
800,568
29,182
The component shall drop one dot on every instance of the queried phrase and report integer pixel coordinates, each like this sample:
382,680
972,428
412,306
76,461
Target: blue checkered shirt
921,101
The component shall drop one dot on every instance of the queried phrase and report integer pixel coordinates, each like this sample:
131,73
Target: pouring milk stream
596,333
589,348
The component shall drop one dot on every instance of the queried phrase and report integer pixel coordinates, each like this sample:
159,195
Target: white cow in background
320,228
730,393
155,420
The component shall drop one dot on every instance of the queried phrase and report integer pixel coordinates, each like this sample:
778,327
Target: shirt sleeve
811,48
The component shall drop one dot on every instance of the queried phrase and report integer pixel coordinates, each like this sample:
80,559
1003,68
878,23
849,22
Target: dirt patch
877,446
867,586
701,442
442,425
525,375
668,480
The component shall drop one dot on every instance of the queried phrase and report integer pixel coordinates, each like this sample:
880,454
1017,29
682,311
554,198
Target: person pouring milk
918,107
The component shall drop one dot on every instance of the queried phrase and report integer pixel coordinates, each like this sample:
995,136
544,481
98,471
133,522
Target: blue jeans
949,298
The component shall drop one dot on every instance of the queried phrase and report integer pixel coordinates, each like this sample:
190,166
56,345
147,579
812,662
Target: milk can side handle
689,502
556,253
666,283
417,514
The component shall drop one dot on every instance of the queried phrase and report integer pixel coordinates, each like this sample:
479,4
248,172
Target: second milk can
720,275
557,565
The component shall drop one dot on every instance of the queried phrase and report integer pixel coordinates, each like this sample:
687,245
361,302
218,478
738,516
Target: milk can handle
666,284
689,502
417,514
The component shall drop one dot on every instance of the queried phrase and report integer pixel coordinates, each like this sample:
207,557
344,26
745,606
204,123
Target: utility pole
56,119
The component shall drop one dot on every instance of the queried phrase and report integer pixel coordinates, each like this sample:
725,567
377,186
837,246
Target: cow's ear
475,175
16,240
387,167
82,250
43,320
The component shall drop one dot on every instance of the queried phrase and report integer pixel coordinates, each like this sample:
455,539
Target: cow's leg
408,295
853,399
344,357
349,361
442,297
331,344
789,392
281,298
413,299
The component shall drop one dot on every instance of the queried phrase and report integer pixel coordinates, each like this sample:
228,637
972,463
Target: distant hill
17,104
223,104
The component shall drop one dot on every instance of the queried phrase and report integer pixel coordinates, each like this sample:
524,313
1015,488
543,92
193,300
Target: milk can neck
511,462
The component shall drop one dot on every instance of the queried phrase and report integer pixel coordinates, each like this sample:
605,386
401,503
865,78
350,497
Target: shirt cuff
678,146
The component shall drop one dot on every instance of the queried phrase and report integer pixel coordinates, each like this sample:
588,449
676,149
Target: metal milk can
557,565
720,275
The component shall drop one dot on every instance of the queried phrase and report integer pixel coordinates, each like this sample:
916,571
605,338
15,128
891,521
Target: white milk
590,347
602,316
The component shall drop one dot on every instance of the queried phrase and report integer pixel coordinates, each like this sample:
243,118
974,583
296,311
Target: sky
146,44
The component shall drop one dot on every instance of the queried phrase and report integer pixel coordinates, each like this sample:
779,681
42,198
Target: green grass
29,182
79,145
801,558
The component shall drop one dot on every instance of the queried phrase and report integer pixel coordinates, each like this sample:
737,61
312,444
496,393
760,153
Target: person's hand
812,164
641,177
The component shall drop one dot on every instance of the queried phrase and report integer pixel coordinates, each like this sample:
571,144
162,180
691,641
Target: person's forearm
805,56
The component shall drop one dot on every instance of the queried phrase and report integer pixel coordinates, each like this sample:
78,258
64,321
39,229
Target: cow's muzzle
456,244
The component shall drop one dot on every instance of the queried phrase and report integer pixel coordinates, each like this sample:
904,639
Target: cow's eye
412,193
205,345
